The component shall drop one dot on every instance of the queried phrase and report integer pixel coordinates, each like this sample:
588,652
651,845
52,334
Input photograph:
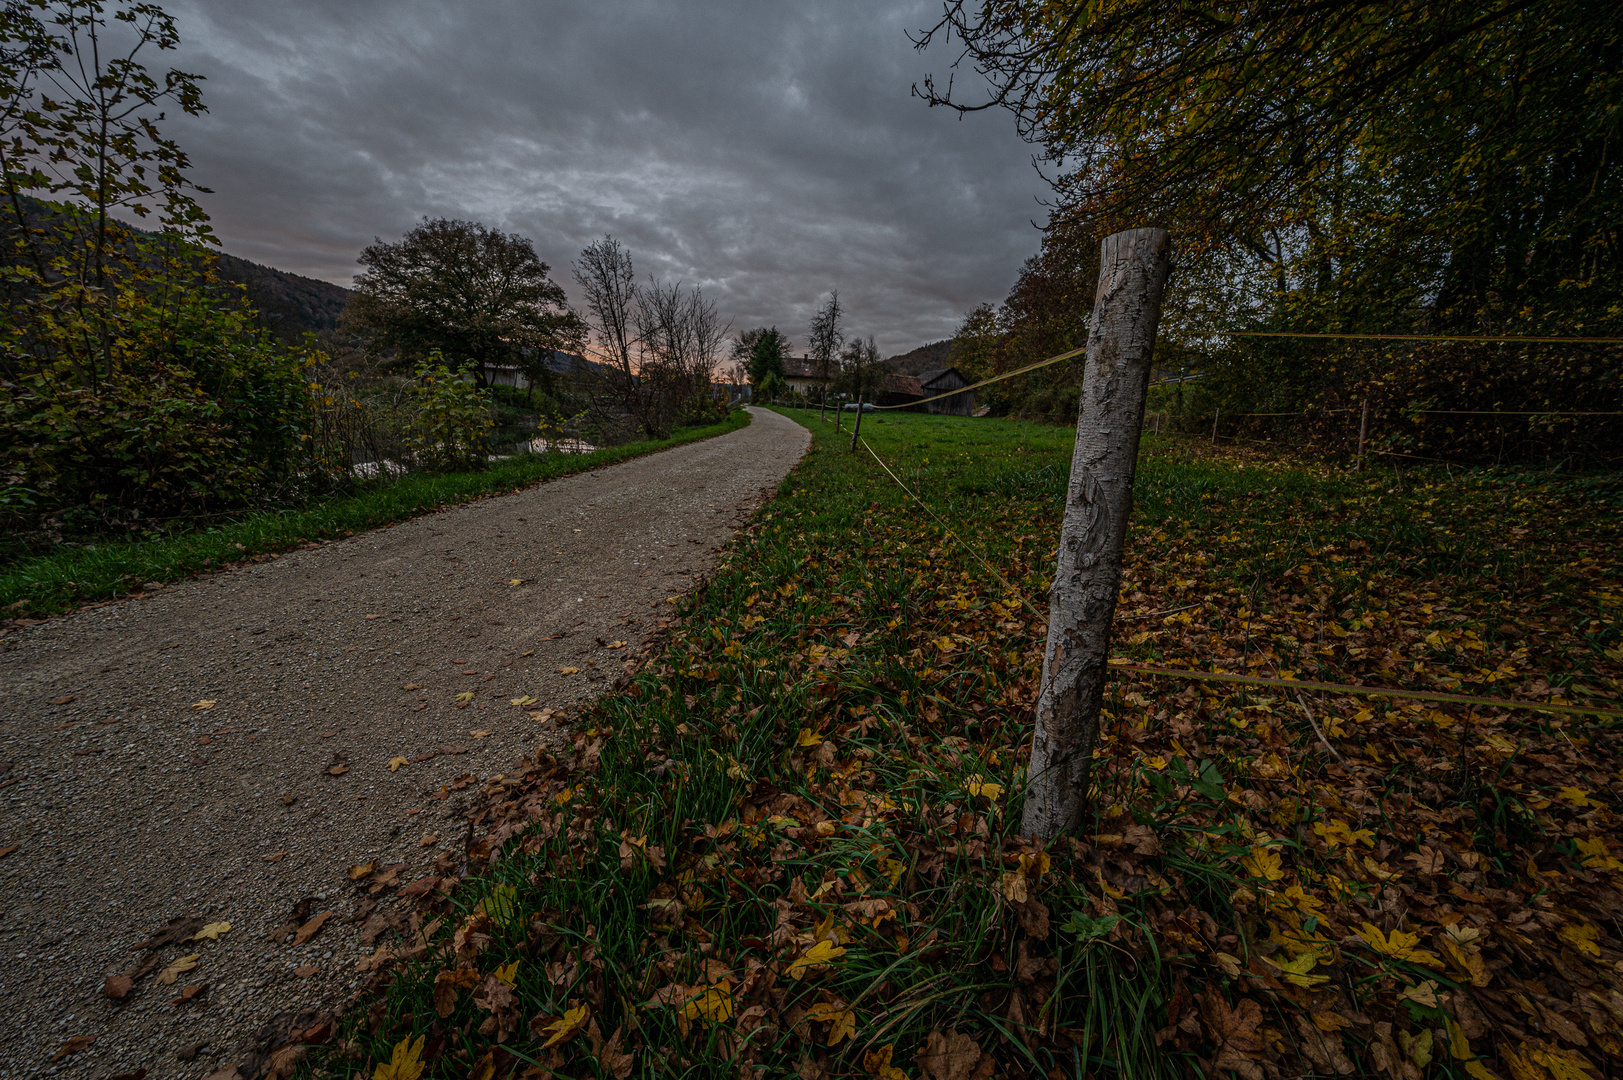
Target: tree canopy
464,290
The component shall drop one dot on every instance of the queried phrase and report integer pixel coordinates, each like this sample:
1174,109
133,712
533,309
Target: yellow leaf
615,645
185,963
569,671
819,955
212,931
1576,796
526,700
360,870
203,705
406,1064
396,762
1379,870
1339,833
1595,855
1581,936
466,695
1563,1064
945,644
564,796
842,1022
1296,971
1400,946
479,733
508,973
877,1062
710,1003
565,1026
808,737
515,582
1262,863
1424,994
978,787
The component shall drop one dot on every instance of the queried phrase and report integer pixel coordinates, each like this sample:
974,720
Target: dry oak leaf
949,1056
185,963
615,1061
212,931
429,840
361,870
396,762
117,986
73,1046
406,1064
311,928
203,706
1235,1032
842,1022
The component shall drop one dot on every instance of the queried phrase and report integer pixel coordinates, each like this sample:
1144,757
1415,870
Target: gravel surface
132,802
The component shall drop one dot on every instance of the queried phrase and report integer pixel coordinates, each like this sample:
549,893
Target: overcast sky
765,150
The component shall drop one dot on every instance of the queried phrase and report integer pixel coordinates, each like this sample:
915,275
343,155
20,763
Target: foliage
862,372
787,842
66,578
134,389
826,335
767,349
452,428
459,288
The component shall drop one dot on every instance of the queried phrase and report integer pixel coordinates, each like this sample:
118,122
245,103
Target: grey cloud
767,151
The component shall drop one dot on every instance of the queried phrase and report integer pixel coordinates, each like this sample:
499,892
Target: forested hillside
931,357
288,304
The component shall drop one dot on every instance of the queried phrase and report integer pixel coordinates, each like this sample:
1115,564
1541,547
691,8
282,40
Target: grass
787,845
39,586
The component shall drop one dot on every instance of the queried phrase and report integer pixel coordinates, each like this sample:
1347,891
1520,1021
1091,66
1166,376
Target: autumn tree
762,351
463,290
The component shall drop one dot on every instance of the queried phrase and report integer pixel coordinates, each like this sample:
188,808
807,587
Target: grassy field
47,585
788,842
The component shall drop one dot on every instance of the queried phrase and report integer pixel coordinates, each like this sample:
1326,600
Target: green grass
50,584
807,684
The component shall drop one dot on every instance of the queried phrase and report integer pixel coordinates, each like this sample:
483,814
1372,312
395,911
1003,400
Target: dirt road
132,801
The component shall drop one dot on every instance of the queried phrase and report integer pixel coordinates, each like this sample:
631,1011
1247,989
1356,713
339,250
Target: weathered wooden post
1215,415
1133,269
856,429
1363,425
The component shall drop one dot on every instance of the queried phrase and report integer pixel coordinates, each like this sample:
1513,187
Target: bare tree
679,337
605,275
827,335
862,375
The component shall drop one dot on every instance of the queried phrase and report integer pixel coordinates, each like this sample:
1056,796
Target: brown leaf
183,928
447,983
1235,1033
4,851
311,928
73,1046
188,992
117,986
615,1061
306,971
229,1072
177,968
950,1056
361,870
338,770
278,857
65,701
1324,1051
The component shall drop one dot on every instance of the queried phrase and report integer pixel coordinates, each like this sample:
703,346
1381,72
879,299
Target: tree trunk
1133,270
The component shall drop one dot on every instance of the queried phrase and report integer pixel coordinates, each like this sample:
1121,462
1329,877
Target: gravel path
131,803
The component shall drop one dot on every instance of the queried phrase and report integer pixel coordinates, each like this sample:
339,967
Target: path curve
131,806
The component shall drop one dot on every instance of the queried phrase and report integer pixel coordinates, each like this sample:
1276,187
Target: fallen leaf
361,870
190,991
508,973
70,699
526,701
202,706
569,671
289,800
406,1064
1581,936
479,733
306,971
4,851
615,645
396,762
212,931
278,857
412,686
73,1046
1400,946
338,770
819,955
1235,1032
429,840
949,1056
185,963
117,986
565,1027
311,928
842,1022
516,581
466,695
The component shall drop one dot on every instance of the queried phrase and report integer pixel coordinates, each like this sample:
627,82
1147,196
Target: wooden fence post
1363,425
1133,271
856,429
1215,415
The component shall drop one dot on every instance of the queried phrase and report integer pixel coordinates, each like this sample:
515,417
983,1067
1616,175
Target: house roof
904,384
801,367
940,379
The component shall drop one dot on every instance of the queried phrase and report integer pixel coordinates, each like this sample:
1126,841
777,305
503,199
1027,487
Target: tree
679,335
766,349
461,289
827,335
605,274
862,377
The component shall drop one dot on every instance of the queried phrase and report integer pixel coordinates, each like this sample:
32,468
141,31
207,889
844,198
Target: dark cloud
766,151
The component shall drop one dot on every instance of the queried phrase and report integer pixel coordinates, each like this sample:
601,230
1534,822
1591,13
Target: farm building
908,389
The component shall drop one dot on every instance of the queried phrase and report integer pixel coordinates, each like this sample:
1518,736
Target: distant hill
290,305
931,357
